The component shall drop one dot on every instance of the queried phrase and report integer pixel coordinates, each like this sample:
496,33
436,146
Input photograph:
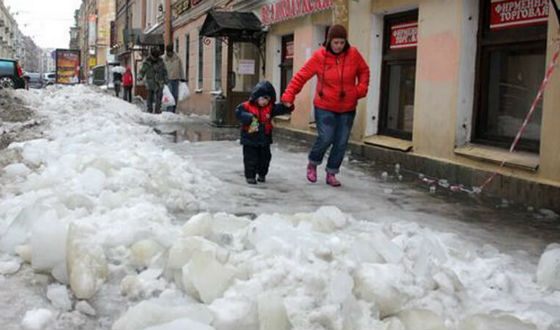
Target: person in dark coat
117,81
256,116
154,74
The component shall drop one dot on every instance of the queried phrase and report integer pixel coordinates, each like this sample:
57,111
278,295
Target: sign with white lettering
282,10
404,35
515,13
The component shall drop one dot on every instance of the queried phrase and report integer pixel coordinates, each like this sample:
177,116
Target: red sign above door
282,10
515,13
404,35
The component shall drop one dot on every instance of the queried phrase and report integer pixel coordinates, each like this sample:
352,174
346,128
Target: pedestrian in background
117,80
175,73
128,80
342,79
154,74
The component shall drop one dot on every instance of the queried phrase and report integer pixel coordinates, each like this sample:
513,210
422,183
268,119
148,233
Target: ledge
517,159
283,118
388,142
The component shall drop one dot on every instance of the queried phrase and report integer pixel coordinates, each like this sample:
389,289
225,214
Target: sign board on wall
516,13
404,35
246,67
67,66
282,10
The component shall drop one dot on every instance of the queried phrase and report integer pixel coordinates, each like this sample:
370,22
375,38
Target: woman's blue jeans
333,129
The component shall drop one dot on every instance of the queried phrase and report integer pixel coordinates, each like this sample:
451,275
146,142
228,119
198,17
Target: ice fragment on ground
209,276
328,219
272,312
85,308
160,311
548,270
48,245
379,284
91,181
24,252
421,319
86,264
36,319
181,324
15,170
235,314
144,251
59,297
494,322
9,265
20,228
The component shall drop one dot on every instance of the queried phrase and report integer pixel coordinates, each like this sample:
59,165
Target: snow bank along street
88,218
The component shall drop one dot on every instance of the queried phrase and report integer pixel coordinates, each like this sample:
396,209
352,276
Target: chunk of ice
272,313
144,251
421,319
548,270
59,297
36,319
494,322
181,324
209,276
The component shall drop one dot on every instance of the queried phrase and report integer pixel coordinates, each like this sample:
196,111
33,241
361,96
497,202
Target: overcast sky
46,21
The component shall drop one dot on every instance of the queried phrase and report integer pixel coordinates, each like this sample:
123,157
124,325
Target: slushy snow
95,203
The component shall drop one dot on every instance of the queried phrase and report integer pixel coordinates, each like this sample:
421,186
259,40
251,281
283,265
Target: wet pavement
371,191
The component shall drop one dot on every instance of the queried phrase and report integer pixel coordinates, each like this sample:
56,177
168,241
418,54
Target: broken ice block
59,297
143,252
160,311
272,313
85,262
494,322
20,228
24,251
48,243
379,284
209,276
180,324
548,270
328,219
421,319
36,319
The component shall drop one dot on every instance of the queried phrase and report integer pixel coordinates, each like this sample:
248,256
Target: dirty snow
88,219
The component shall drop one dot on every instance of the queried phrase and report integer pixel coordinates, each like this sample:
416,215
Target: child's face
263,101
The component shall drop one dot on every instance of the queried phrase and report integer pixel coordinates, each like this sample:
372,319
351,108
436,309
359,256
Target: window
200,61
287,61
187,56
218,64
510,68
398,74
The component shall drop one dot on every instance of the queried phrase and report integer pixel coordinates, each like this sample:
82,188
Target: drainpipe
167,21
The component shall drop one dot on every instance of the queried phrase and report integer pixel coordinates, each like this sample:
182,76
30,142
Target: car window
6,67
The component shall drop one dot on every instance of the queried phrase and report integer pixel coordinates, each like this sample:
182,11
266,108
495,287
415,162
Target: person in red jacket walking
127,84
342,79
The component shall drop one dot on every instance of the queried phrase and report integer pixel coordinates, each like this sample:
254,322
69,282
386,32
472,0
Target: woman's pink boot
332,181
312,172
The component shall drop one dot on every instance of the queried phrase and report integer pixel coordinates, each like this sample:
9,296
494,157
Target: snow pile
94,203
325,270
97,180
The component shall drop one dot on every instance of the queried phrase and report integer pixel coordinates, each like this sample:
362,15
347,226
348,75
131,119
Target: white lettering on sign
282,10
515,13
404,35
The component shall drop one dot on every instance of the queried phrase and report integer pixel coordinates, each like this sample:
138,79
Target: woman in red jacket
342,79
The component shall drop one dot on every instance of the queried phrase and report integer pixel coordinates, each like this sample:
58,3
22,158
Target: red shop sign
514,13
404,35
282,10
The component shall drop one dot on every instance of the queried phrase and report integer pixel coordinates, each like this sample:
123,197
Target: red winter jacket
127,79
342,80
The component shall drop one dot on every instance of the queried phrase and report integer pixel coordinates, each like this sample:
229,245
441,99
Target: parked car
11,74
49,78
34,80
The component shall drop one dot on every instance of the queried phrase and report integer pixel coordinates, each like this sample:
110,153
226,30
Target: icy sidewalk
97,205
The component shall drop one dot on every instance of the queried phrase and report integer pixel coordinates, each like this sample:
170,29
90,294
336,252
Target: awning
238,26
154,37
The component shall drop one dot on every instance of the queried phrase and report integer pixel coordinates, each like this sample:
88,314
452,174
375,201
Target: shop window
200,71
510,68
218,64
287,62
187,56
398,74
